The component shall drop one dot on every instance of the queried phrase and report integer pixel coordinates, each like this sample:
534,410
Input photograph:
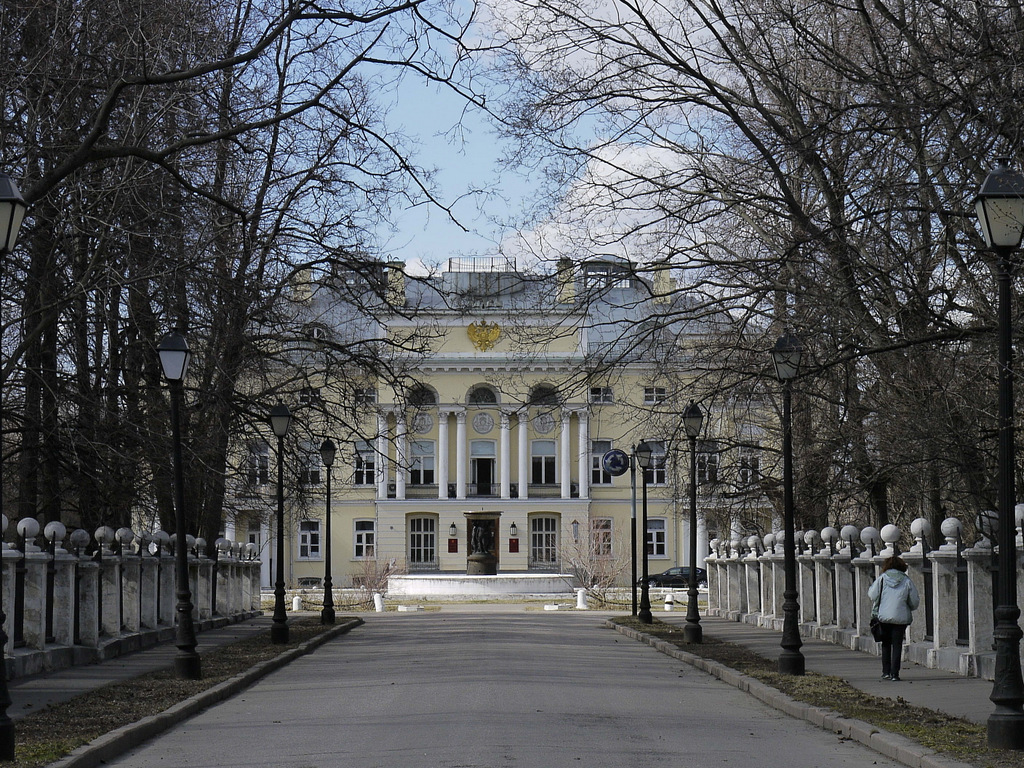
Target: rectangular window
309,395
656,473
601,536
258,469
309,540
749,469
654,395
421,471
601,395
656,537
311,464
707,462
422,541
364,474
542,462
598,475
364,396
543,541
363,538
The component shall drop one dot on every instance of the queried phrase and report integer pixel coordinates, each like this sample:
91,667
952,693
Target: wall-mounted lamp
513,530
575,530
452,530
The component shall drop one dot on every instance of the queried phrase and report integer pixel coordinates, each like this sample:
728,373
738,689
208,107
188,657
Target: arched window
421,395
544,394
482,396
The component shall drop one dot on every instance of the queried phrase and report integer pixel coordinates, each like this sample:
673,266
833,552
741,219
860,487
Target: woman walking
894,599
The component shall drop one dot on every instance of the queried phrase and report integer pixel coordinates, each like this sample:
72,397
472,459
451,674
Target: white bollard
581,599
670,602
296,603
378,603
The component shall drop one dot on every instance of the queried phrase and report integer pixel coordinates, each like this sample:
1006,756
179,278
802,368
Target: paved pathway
470,689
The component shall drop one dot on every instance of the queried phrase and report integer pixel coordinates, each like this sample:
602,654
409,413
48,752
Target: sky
465,161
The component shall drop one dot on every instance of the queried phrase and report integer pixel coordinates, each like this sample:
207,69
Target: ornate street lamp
280,421
327,453
786,356
693,419
174,358
12,213
643,454
1000,209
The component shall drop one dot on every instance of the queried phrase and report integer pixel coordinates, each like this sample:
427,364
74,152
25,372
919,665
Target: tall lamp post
174,358
12,213
280,420
642,454
786,356
1000,209
693,419
327,453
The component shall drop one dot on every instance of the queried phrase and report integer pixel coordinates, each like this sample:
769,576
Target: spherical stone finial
869,535
55,531
951,529
890,534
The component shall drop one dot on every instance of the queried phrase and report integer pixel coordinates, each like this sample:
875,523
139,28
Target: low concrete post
149,589
10,559
64,598
944,589
34,618
165,612
88,602
864,576
915,570
979,598
110,586
131,586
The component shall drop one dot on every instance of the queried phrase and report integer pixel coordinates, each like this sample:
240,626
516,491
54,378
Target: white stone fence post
952,628
78,598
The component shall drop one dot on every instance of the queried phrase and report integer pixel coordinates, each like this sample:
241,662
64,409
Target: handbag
876,629
875,625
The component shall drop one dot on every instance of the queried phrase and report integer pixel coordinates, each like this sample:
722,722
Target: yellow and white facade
521,386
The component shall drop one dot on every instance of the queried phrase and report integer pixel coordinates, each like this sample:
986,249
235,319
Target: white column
564,459
382,456
583,419
442,454
524,455
460,455
504,457
401,455
702,541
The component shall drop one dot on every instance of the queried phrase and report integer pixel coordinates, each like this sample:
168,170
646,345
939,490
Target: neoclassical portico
474,433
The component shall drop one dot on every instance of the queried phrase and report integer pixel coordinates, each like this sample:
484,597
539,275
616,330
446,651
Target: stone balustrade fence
952,629
79,598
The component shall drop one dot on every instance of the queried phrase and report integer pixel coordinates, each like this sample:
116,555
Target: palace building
488,458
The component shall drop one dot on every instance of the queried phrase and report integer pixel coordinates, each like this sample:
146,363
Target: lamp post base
644,615
791,663
1006,730
188,666
7,740
279,633
692,632
327,616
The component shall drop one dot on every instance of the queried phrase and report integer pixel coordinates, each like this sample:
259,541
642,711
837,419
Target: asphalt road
490,690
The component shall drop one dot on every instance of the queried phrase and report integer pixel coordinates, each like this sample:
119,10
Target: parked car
675,577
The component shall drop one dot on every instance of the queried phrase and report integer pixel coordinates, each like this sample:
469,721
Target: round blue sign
615,462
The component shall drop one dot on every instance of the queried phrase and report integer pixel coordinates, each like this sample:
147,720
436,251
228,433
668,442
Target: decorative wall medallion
422,423
483,423
484,335
543,423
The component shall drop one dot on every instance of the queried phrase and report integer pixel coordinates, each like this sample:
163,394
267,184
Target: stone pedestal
482,530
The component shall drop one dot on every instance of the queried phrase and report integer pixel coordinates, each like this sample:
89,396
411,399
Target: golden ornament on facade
484,335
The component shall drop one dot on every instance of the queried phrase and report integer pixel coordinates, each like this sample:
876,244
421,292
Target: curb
891,745
115,743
